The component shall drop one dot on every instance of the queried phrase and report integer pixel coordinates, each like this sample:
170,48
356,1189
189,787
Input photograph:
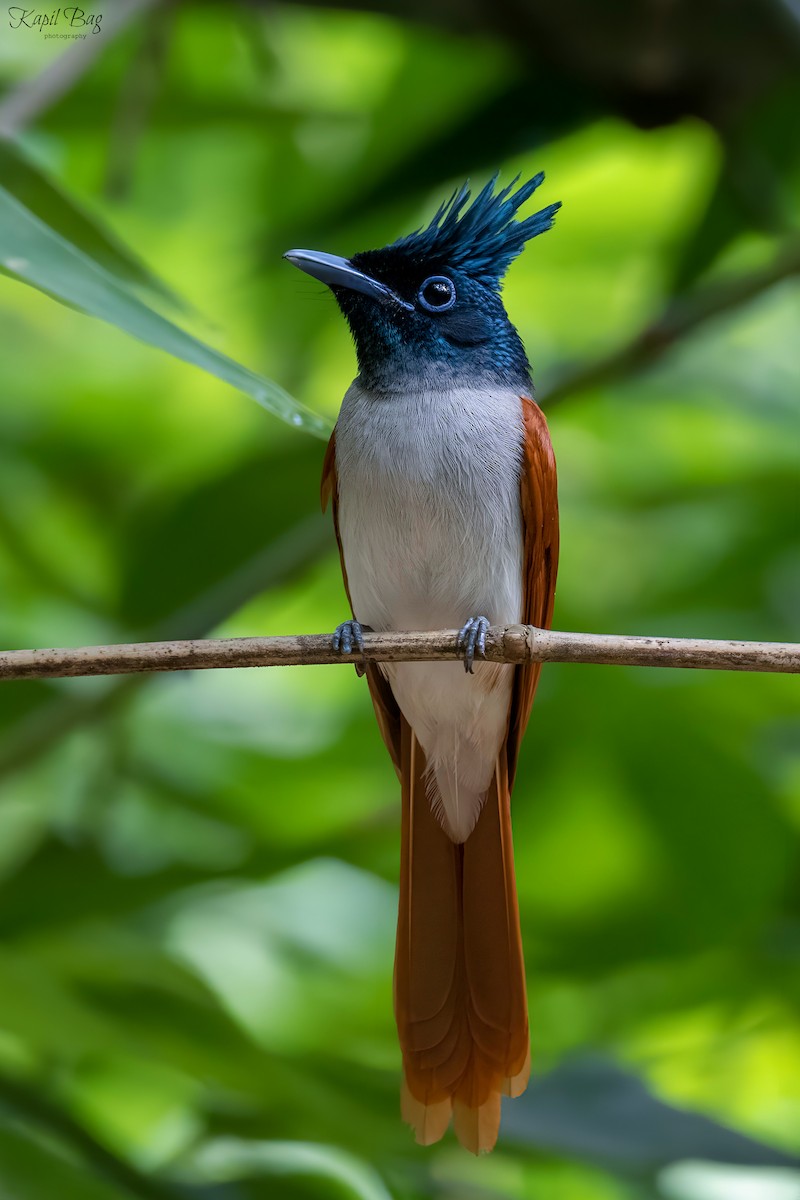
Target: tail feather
477,1127
460,997
429,1121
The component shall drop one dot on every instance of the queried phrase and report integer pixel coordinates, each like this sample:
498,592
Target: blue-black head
427,309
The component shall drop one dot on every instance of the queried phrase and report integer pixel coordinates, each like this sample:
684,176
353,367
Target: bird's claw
472,637
345,635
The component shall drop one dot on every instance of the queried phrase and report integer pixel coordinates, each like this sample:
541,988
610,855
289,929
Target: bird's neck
388,363
440,375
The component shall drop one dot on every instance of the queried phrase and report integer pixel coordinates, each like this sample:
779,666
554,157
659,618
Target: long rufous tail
459,980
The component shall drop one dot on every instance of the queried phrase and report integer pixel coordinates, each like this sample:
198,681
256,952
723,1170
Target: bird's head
426,310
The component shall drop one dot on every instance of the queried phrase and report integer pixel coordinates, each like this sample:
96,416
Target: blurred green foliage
198,872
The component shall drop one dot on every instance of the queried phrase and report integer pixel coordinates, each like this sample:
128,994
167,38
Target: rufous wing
539,507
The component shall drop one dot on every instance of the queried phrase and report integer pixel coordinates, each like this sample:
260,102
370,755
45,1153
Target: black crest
483,237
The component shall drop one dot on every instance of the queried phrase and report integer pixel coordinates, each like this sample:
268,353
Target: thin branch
504,643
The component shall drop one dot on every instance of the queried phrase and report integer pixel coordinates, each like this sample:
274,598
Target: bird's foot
472,637
347,635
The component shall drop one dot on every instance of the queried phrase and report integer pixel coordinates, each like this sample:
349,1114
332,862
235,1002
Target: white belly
429,518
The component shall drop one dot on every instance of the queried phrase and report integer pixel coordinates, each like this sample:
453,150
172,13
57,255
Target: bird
442,479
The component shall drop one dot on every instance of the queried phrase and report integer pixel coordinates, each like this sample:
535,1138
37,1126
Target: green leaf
41,197
230,1158
34,253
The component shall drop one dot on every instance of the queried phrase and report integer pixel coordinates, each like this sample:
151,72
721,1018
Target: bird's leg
472,637
346,635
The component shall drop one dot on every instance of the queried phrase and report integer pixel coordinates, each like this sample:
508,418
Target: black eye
437,294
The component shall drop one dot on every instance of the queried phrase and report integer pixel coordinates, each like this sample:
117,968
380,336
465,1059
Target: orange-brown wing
539,501
383,701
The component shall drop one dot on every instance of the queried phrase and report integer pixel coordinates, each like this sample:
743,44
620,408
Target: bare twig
504,643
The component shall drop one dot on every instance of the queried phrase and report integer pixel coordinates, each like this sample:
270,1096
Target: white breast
429,518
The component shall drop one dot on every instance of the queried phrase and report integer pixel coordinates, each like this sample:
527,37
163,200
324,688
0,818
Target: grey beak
340,272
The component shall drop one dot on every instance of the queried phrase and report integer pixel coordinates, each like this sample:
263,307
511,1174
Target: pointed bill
339,272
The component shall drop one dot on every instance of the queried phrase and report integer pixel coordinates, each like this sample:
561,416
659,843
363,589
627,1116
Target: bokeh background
198,871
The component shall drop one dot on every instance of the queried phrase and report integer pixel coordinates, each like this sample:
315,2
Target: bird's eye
437,294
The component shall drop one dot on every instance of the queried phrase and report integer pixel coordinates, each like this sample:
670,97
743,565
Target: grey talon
484,626
345,635
472,635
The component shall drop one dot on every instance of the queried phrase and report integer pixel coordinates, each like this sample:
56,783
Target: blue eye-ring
437,294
